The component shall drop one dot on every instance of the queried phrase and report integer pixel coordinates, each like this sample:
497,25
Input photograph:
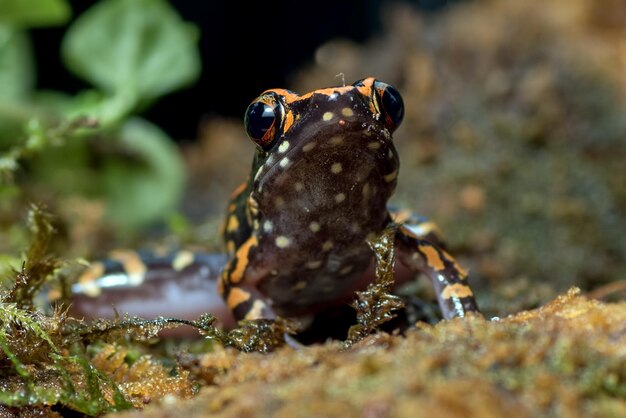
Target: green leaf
29,13
139,47
16,84
108,110
143,192
16,66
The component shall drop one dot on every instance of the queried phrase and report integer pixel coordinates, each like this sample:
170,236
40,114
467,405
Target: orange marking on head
230,246
373,108
327,92
432,257
456,290
289,119
241,259
366,88
236,297
289,96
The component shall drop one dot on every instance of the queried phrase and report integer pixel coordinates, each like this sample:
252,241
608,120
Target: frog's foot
449,279
244,301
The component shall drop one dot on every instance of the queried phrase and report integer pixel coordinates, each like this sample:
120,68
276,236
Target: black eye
391,104
261,122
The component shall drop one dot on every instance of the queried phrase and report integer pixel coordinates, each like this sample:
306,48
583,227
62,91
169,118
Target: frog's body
297,230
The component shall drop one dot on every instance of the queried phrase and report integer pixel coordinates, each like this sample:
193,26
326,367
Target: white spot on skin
299,286
328,116
347,112
327,246
366,191
390,154
308,147
340,197
298,186
267,226
270,160
312,265
314,226
284,162
336,168
329,289
283,147
373,145
282,241
336,140
345,270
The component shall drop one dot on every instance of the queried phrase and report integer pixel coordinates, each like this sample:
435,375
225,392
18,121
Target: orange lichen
144,380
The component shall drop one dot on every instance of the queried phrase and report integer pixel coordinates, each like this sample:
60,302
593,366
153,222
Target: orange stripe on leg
433,258
241,259
236,297
456,290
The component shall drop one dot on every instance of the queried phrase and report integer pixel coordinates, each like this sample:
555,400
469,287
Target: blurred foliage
91,144
58,148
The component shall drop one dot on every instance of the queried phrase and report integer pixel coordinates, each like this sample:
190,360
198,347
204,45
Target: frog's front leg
420,254
241,297
245,302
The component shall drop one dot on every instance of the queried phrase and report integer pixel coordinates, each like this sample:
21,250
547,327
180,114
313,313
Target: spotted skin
296,231
317,194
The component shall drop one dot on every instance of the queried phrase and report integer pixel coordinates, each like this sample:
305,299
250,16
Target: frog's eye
391,103
262,121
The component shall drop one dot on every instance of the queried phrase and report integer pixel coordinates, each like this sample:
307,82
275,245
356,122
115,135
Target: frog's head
325,159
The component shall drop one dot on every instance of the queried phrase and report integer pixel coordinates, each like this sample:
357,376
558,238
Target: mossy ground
566,359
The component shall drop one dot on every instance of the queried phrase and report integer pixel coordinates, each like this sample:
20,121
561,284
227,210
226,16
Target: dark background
246,47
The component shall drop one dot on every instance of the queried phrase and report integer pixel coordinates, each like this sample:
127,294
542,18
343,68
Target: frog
296,232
